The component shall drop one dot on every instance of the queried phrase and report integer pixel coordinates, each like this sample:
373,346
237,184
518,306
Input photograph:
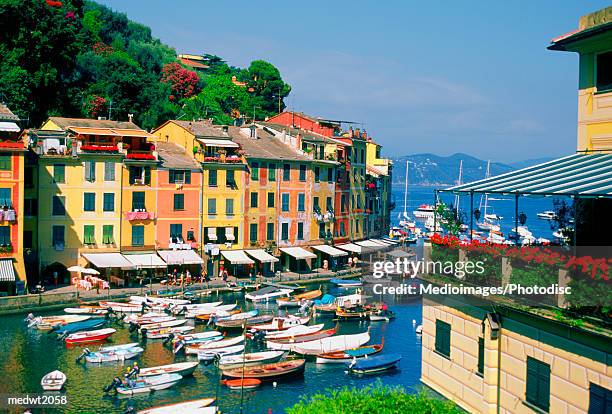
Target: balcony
98,147
139,214
135,155
11,146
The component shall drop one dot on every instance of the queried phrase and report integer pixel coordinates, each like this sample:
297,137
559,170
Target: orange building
306,122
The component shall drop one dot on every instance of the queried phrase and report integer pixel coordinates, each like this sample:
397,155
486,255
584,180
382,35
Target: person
225,275
188,276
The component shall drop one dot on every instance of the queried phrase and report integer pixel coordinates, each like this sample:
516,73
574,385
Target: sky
429,76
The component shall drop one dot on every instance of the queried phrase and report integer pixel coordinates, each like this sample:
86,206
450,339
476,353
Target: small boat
382,316
177,309
346,282
267,293
374,364
424,211
79,326
212,345
219,310
166,332
249,360
158,301
46,323
158,325
419,330
240,323
194,338
182,368
148,318
148,384
299,299
294,332
210,355
121,307
87,310
349,354
112,355
547,215
355,313
268,371
237,316
201,406
287,344
249,286
205,317
246,383
53,381
90,336
281,323
112,348
331,344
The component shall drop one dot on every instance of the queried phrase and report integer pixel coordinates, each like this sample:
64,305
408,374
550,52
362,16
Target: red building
306,122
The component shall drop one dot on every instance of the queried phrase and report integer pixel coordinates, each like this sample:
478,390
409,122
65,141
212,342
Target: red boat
246,383
89,336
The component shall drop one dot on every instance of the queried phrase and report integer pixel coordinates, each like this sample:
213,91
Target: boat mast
486,196
406,192
458,183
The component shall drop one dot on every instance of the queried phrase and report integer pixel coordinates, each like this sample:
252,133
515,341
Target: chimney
253,129
298,141
356,133
130,117
225,130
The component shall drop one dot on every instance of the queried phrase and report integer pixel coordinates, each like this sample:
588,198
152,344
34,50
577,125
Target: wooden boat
248,360
85,325
268,371
229,324
205,317
354,313
182,368
121,307
203,337
53,381
299,299
90,336
112,355
374,364
118,347
158,301
201,406
294,332
46,323
211,345
246,383
210,355
148,384
219,310
87,310
166,332
177,309
286,344
267,293
348,355
346,282
167,324
147,318
281,323
237,317
331,344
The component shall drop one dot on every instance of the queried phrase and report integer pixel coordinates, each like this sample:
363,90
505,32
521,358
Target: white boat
198,337
184,369
209,355
294,331
158,301
237,316
547,215
212,345
192,313
191,306
121,307
424,211
166,332
111,356
148,318
267,293
46,323
201,406
86,310
118,347
281,323
148,384
248,360
492,217
53,381
331,344
486,225
159,325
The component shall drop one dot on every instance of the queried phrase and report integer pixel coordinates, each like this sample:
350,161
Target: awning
104,260
392,242
146,260
223,143
586,175
370,245
332,251
399,254
180,257
298,252
7,271
384,242
212,233
350,247
237,257
262,256
229,234
9,127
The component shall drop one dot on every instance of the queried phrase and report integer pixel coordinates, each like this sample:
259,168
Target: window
5,235
140,175
5,197
109,202
28,177
176,231
329,205
28,239
255,171
190,235
212,178
107,234
285,231
229,207
90,171
538,383
5,162
321,230
286,172
604,71
317,174
443,330
109,171
481,356
302,173
272,172
88,234
138,200
59,206
254,197
270,200
58,237
270,231
212,206
301,202
30,207
600,400
89,202
253,232
179,176
179,201
356,227
300,231
137,235
342,230
330,175
59,173
285,202
315,205
230,179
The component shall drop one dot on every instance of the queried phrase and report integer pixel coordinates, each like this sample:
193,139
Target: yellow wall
150,241
356,219
322,189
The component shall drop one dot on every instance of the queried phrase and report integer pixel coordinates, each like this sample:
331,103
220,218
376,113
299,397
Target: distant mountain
527,163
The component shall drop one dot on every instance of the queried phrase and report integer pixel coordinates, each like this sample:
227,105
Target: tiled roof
306,135
6,114
265,146
200,129
91,123
175,156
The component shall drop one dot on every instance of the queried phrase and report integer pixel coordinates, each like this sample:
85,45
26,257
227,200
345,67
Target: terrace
218,149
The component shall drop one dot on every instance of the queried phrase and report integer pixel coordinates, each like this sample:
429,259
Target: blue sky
430,76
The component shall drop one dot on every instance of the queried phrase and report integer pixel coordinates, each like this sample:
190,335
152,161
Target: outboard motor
113,385
29,318
168,339
143,333
259,336
85,352
133,327
177,347
63,336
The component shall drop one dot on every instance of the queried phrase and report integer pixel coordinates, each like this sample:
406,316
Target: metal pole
435,211
471,214
575,222
516,214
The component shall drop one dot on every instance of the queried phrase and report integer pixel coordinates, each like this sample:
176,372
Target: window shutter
544,386
87,171
132,177
147,175
188,177
171,178
531,392
481,355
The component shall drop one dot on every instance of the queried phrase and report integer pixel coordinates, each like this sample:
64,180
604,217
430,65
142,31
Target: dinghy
267,293
87,310
89,336
205,317
241,323
374,364
287,344
53,381
199,337
46,323
148,318
118,347
299,299
85,325
111,355
246,383
346,282
121,307
382,316
281,323
159,325
210,355
178,309
294,332
237,317
158,301
201,406
146,384
248,360
211,345
184,369
267,371
331,344
166,332
348,355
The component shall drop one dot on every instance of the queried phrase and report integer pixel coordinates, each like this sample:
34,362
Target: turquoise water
26,355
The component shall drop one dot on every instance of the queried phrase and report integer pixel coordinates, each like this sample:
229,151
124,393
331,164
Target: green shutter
538,383
442,344
272,172
147,175
188,177
171,177
481,355
107,234
89,237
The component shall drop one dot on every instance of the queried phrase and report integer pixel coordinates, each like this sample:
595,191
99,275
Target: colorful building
305,122
378,190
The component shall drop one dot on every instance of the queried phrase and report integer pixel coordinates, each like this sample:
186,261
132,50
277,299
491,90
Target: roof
200,129
590,25
174,156
65,123
266,146
192,63
585,175
6,114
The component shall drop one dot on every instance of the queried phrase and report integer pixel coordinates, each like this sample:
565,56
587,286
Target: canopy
9,127
180,257
237,257
224,143
332,251
104,260
7,272
371,245
350,247
262,256
384,242
146,260
298,252
586,175
399,254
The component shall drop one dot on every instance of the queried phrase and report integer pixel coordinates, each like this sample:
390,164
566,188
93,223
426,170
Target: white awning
237,257
383,242
397,253
224,143
350,247
392,242
262,256
370,245
298,252
212,233
104,260
7,271
332,251
9,127
180,257
146,260
229,233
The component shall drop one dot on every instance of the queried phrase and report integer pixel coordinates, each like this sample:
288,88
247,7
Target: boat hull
184,369
268,371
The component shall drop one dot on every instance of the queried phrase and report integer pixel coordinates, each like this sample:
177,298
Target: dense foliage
79,58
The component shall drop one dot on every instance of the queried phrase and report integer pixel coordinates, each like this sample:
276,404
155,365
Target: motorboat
237,317
287,344
294,332
299,299
210,355
112,355
145,384
53,381
267,293
374,364
166,332
267,371
348,355
424,211
346,282
159,325
89,324
87,310
182,368
547,215
212,345
242,384
121,307
154,300
385,316
241,323
281,323
201,406
46,323
250,359
331,344
90,336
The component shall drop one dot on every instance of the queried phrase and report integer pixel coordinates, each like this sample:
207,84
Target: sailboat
405,221
488,223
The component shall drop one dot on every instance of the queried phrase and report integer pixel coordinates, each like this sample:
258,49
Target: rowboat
281,323
210,355
192,313
294,332
268,371
166,332
299,299
121,307
90,336
158,325
220,314
287,344
53,381
148,384
118,347
374,364
151,317
237,317
382,316
201,406
355,313
348,355
112,355
46,323
229,324
185,308
199,337
182,368
80,326
246,383
87,310
209,346
248,360
158,301
267,293
331,344
346,282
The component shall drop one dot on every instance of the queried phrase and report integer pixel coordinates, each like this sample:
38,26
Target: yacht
547,215
424,211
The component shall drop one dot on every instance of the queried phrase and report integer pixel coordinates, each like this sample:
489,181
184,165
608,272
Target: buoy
274,384
414,322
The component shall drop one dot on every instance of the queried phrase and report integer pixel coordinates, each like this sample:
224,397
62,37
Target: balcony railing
139,215
99,147
141,155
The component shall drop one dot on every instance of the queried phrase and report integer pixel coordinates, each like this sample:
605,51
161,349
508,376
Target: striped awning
584,175
7,271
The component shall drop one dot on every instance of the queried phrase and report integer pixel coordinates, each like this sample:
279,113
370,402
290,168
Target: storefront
329,257
296,259
265,259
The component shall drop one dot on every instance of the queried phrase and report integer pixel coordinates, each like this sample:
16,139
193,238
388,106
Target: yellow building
378,171
357,200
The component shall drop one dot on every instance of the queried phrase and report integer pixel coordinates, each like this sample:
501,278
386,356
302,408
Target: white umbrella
88,271
76,269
